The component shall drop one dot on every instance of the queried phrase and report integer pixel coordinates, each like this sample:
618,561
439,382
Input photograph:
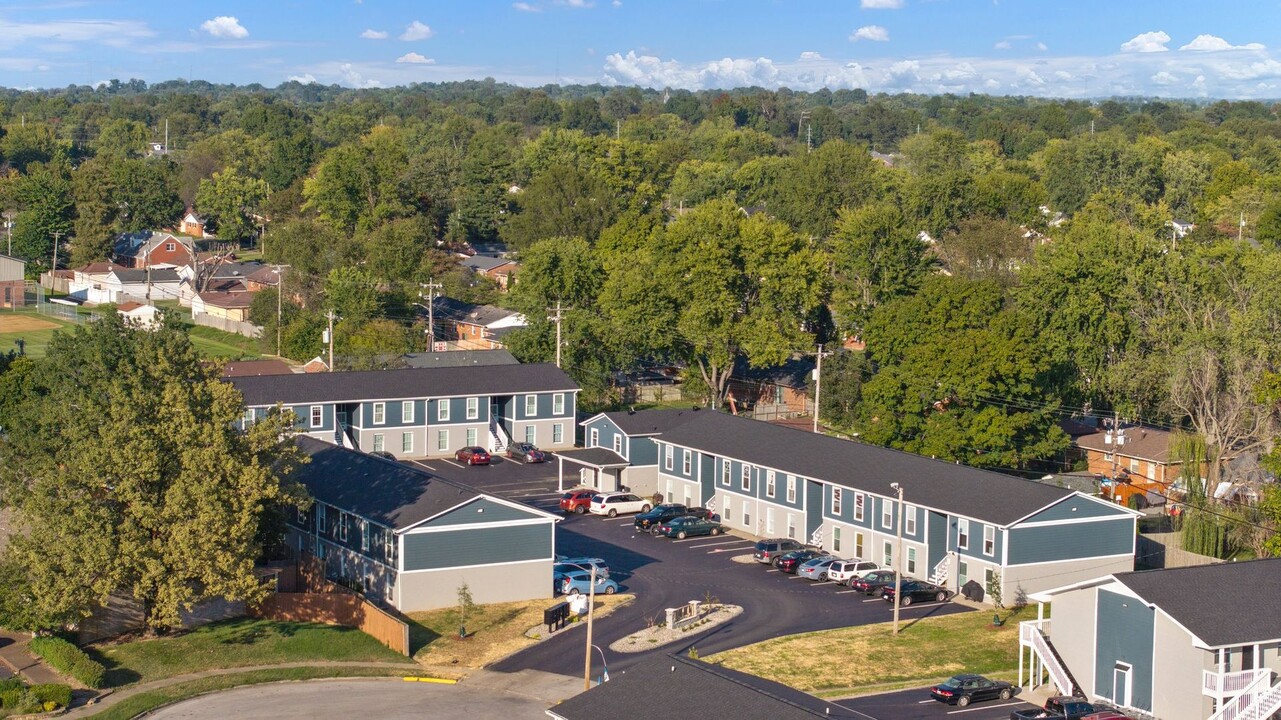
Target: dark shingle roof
698,689
403,383
459,358
484,262
158,275
650,422
1243,608
599,457
1140,442
794,373
250,368
970,492
457,311
384,491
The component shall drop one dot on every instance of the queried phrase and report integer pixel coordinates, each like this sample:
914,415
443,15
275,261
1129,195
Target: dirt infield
24,323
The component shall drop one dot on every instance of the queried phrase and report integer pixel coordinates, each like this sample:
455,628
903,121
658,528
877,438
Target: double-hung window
558,404
407,442
320,519
770,484
442,410
746,477
317,416
473,408
407,412
442,441
836,501
859,499
686,463
558,434
909,519
887,554
389,547
836,539
364,535
962,534
342,526
379,442
471,436
725,472
791,488
531,405
887,513
593,439
531,434
911,561
989,540
380,413
668,454
618,443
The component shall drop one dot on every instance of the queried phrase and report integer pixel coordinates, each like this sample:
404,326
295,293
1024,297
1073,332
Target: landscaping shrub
59,695
69,659
10,699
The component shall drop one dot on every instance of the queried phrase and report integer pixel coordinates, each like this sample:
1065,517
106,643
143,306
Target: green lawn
868,658
37,340
209,342
237,643
214,343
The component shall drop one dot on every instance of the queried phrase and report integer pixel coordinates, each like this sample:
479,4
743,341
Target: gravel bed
659,635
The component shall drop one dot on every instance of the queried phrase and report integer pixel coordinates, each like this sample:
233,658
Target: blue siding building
621,449
424,412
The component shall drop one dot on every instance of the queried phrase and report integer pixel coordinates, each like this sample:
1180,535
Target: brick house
12,278
157,249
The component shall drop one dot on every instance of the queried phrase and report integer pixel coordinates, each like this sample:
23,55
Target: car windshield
598,498
953,682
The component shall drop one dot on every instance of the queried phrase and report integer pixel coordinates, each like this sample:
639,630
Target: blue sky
1087,48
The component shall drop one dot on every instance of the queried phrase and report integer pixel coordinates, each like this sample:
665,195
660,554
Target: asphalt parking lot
918,705
666,573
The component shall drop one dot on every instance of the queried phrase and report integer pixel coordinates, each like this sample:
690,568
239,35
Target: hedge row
15,696
69,659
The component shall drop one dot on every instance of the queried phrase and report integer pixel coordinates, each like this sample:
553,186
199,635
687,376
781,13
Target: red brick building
12,282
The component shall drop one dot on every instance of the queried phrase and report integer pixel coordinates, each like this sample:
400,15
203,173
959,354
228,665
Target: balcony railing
1028,629
1221,685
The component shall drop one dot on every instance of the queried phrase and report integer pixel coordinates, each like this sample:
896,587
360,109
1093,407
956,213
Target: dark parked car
659,514
769,551
526,453
472,455
1058,708
576,501
683,527
915,591
789,562
382,454
961,690
873,582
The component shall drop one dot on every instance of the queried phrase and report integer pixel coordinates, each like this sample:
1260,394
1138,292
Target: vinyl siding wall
1124,633
478,545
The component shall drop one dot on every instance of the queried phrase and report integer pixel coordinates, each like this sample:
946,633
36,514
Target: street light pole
591,603
898,557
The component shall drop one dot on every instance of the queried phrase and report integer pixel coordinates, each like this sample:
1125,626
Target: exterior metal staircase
1259,700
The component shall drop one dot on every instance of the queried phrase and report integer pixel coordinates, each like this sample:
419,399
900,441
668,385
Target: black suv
769,551
647,521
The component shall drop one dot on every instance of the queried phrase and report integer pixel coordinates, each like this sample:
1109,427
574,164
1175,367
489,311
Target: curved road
369,698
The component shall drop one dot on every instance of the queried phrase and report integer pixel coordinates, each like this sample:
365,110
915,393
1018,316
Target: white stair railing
1260,699
498,440
939,574
1057,672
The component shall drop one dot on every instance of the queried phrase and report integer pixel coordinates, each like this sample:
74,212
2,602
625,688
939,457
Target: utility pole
148,261
166,136
431,287
898,558
329,338
818,384
556,318
8,224
280,290
591,604
1241,226
56,234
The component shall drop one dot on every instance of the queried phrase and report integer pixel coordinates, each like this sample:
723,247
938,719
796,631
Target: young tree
160,497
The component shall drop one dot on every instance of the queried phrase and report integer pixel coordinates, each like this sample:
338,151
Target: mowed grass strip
237,643
135,705
33,328
869,658
494,631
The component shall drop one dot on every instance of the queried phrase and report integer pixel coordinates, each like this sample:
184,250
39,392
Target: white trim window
836,539
471,436
909,519
593,439
989,540
342,526
389,547
531,434
669,454
558,433
859,500
364,534
321,519
317,416
531,405
618,443
728,514
379,442
747,514
687,463
836,501
746,478
442,441
558,404
858,545
887,554
247,419
442,410
791,488
473,408
380,413
887,513
407,412
771,486
911,560
962,534
726,471
407,442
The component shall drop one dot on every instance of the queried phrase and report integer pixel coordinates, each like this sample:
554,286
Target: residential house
1135,451
226,305
102,282
773,392
192,224
424,412
265,276
699,689
1177,644
499,269
12,282
154,249
411,539
250,368
959,523
146,316
473,327
1181,228
620,448
450,358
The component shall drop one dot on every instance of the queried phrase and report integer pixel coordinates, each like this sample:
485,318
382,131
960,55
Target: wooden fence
320,601
232,326
1165,550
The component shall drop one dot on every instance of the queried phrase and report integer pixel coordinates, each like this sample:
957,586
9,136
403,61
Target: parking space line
923,605
723,542
824,582
846,592
875,600
451,462
798,577
922,702
986,707
774,570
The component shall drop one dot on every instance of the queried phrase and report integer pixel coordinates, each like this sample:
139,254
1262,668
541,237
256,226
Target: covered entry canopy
597,468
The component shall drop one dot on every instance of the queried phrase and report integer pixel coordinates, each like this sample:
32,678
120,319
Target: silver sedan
817,568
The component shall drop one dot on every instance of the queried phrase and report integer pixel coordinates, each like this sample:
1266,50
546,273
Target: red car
472,456
576,501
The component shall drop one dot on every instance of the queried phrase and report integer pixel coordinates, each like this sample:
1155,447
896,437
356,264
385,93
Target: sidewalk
15,656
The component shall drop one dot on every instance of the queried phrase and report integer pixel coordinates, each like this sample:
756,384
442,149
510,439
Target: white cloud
111,32
1002,45
305,78
881,4
811,55
617,3
1147,42
1214,43
1165,79
576,3
875,33
416,31
1042,47
371,34
225,27
526,7
415,58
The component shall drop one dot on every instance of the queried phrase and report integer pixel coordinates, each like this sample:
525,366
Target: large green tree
229,199
160,496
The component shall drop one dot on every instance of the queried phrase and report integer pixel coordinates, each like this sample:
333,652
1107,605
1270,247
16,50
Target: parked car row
869,578
521,451
573,575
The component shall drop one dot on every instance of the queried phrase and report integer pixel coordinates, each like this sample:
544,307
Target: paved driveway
384,699
666,573
917,705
